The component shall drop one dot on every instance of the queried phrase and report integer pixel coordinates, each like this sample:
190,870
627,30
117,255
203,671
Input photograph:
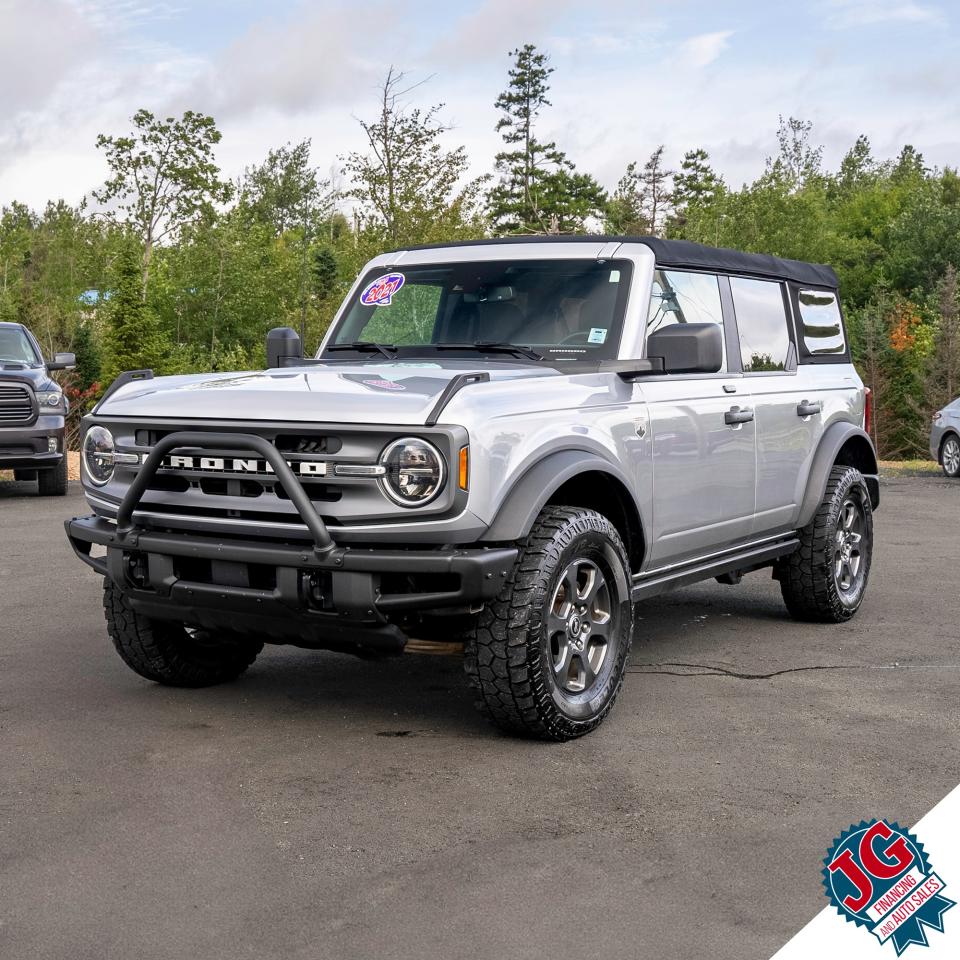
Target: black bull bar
321,595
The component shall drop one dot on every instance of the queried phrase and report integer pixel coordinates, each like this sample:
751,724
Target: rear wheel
825,579
170,653
547,657
53,483
950,457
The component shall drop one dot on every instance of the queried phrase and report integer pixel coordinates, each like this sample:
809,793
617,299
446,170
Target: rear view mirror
283,345
62,361
688,347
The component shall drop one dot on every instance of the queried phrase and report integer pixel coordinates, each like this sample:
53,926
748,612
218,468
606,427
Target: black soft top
685,253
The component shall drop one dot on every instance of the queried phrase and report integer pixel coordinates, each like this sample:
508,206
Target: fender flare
520,507
833,440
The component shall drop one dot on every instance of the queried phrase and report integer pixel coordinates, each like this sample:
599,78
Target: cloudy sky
630,74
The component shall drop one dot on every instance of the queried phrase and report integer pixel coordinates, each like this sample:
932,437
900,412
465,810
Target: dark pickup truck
32,411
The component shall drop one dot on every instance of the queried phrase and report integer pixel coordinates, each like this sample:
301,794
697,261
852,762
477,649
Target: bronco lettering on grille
254,465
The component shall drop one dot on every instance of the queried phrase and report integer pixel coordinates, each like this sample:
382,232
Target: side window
820,323
762,324
678,297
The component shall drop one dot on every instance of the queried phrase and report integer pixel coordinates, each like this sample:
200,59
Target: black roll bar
188,439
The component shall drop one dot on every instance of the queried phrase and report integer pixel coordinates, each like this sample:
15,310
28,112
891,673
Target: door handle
807,408
737,415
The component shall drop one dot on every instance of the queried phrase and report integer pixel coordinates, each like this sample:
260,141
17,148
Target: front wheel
950,457
825,579
547,657
170,653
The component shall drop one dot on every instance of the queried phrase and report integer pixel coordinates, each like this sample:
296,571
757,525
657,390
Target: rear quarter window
821,327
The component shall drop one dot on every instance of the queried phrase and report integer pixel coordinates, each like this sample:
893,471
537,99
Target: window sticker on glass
597,335
380,292
614,276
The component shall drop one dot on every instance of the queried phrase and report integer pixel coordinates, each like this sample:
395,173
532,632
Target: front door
703,435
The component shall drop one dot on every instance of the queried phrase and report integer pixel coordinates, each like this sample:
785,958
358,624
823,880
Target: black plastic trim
743,560
189,439
128,376
460,381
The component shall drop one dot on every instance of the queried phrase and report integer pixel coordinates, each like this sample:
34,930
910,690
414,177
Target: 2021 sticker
380,292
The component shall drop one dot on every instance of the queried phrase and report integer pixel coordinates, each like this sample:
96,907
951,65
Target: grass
909,468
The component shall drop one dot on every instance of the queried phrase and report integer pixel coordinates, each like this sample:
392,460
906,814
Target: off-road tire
808,580
507,654
53,482
949,464
163,651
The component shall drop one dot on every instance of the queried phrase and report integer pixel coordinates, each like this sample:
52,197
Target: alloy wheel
951,457
579,627
847,556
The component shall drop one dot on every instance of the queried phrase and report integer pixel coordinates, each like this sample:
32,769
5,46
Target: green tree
797,162
538,190
410,189
696,184
623,212
285,191
132,336
162,177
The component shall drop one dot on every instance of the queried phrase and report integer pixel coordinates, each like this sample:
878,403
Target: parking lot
325,806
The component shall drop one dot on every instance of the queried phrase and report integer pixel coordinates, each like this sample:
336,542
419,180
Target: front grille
16,404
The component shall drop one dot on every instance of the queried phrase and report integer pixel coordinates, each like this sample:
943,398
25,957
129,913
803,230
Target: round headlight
414,471
98,450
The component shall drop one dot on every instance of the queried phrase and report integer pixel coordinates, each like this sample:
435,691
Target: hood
389,392
36,376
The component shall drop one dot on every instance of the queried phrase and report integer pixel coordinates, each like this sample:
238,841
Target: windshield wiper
387,349
492,346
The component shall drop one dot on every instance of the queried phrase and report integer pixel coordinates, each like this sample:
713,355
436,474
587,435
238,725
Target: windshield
558,309
15,346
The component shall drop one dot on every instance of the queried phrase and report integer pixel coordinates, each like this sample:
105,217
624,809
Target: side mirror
283,344
62,361
688,347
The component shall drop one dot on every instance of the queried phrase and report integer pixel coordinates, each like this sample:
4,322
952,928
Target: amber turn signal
464,467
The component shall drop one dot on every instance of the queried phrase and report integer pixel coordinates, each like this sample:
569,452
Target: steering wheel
575,336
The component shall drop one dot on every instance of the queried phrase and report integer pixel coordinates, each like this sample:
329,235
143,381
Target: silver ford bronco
502,443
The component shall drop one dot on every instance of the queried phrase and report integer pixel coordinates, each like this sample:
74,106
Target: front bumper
344,598
28,448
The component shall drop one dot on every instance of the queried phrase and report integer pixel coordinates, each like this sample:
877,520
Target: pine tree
623,214
945,358
539,190
132,335
655,182
695,184
89,360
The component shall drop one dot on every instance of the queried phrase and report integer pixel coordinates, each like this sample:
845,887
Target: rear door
787,398
704,467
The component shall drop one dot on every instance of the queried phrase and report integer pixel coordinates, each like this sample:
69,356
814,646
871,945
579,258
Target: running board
742,561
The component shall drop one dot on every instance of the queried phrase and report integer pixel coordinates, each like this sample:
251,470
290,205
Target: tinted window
562,309
16,346
820,322
762,324
679,297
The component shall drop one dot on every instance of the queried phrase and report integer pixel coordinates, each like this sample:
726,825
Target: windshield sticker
597,335
380,292
614,276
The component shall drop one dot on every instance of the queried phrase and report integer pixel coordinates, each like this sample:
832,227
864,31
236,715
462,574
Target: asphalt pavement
328,807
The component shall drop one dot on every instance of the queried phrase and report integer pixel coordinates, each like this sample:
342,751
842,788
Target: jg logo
877,875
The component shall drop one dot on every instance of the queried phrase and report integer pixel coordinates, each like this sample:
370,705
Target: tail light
867,410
